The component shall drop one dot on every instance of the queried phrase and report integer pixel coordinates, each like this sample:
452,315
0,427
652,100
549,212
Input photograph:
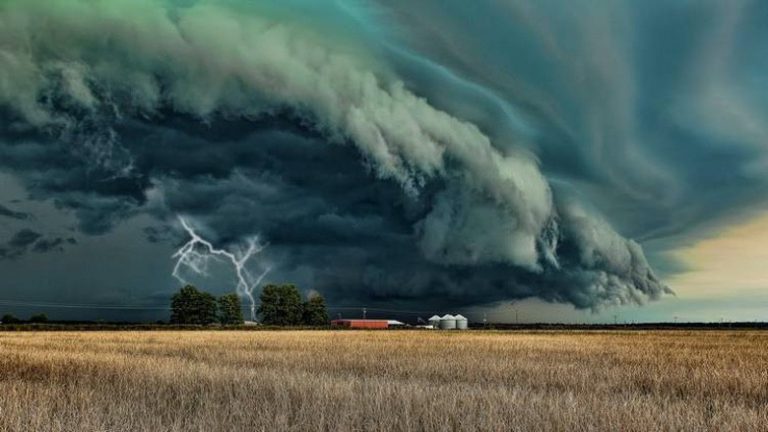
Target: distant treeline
281,305
636,326
34,319
102,326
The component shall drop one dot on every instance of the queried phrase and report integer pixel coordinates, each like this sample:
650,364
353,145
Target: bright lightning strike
197,252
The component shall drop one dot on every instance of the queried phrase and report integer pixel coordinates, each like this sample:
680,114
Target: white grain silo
461,322
435,321
448,322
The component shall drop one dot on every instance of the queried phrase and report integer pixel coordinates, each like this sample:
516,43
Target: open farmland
383,381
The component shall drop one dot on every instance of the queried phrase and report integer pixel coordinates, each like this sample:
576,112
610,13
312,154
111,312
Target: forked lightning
197,252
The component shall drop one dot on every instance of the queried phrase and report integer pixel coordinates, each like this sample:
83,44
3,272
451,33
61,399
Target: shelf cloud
380,162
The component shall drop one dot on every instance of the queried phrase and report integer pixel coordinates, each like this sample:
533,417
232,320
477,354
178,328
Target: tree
230,309
280,305
315,311
39,318
9,319
191,306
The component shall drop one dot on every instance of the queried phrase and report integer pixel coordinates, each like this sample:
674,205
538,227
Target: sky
553,161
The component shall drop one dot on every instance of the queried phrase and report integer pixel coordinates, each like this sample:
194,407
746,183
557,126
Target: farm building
363,323
447,322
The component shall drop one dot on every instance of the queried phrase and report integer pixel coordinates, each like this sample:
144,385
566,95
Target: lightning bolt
197,253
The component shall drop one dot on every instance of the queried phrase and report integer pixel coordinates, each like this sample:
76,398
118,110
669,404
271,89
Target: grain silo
435,321
461,322
448,322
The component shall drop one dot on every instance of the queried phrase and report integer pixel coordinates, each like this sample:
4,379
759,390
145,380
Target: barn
361,323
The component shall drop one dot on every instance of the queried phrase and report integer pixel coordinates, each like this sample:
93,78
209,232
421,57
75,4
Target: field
383,381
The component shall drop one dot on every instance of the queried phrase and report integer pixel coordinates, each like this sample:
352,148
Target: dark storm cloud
53,245
480,152
6,212
23,238
53,168
654,113
27,240
157,234
321,209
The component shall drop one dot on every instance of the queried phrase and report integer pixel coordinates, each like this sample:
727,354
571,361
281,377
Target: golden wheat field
383,381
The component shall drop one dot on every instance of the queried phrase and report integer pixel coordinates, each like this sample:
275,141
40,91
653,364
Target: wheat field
383,381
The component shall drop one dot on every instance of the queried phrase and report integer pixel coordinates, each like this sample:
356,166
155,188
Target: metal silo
435,321
461,322
448,322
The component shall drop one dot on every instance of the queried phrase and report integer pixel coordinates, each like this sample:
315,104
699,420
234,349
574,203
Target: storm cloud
27,240
6,212
391,164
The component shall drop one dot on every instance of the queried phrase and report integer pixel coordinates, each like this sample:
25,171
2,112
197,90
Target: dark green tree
280,305
38,318
191,306
315,311
230,310
10,319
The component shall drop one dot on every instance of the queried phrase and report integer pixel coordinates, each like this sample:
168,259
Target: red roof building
361,323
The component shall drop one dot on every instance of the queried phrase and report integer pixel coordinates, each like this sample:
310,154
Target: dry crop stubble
383,380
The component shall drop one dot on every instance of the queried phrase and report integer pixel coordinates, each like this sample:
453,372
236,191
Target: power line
80,305
63,305
357,308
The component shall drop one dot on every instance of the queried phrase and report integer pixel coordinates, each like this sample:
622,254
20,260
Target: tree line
34,319
281,305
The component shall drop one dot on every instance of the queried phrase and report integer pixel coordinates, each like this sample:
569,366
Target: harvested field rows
383,381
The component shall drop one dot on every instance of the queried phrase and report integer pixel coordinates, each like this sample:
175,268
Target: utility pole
514,308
